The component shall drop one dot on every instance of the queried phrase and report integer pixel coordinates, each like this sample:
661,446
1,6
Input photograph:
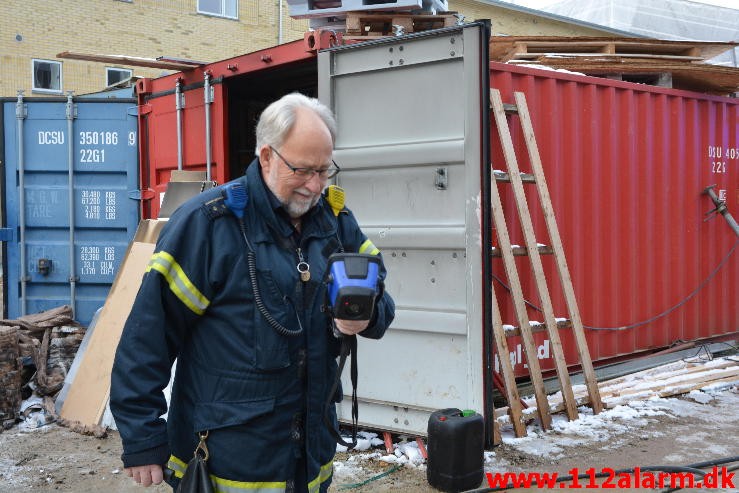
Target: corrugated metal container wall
626,165
37,143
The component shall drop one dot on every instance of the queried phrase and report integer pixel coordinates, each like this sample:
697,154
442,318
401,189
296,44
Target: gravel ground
666,431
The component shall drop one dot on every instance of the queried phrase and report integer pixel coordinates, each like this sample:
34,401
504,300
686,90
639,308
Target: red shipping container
626,165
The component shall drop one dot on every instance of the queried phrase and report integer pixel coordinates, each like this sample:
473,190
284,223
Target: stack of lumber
367,25
672,379
626,58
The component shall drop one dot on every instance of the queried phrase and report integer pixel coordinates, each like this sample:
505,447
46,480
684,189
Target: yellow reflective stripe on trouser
222,485
326,471
369,247
179,284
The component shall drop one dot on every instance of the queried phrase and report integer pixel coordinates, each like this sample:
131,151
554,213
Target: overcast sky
535,4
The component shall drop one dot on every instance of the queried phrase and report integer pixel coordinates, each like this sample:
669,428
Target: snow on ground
606,430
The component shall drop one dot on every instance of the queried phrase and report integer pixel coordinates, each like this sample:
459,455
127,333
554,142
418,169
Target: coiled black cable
251,265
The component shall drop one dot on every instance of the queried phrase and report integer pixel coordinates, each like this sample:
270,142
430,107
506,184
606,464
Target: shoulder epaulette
216,207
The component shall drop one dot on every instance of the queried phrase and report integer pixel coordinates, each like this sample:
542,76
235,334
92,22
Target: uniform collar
316,222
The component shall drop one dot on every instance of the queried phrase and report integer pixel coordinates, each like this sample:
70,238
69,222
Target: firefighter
235,293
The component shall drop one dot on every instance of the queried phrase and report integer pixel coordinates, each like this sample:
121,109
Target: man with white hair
236,291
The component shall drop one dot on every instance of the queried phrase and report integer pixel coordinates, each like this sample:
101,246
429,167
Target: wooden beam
126,60
559,256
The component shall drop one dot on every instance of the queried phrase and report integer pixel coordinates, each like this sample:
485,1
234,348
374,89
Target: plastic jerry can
455,450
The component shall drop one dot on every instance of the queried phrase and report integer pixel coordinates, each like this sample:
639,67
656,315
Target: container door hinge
147,194
144,109
7,234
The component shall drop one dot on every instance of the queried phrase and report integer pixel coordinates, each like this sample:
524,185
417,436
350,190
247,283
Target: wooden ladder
534,251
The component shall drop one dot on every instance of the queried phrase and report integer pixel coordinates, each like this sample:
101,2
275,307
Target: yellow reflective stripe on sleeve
177,466
369,247
326,471
222,485
178,281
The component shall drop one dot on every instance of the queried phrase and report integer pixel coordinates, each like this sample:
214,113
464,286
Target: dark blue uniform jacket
260,394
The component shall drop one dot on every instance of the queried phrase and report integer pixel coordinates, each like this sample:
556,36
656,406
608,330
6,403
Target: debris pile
36,352
666,63
10,376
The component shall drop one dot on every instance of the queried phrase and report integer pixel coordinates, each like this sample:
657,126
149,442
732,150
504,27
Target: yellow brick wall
140,28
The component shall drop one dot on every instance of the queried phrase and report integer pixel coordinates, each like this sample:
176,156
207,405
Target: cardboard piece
178,192
88,394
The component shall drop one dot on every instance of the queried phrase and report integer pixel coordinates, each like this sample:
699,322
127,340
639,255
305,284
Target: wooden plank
509,377
559,256
516,331
660,389
673,378
536,264
513,279
126,60
502,176
88,394
522,251
534,56
615,386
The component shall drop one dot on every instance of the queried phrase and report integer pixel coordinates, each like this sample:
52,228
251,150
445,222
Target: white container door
413,148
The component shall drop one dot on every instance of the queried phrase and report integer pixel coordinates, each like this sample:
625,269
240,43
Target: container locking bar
720,208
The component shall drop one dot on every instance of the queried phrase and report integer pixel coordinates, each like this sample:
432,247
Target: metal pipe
721,208
70,191
179,100
20,115
208,101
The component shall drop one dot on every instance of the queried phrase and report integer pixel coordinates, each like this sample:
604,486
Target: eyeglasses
308,173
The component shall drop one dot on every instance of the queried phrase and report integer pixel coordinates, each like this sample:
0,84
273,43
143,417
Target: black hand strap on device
348,347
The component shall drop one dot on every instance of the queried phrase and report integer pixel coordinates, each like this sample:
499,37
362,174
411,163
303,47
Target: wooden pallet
504,48
514,178
379,24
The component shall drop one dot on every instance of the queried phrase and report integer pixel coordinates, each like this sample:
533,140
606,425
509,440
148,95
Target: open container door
413,147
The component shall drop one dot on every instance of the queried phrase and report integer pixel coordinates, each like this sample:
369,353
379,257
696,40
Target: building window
221,8
116,75
47,75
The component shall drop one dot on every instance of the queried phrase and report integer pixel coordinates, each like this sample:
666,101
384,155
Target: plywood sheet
89,392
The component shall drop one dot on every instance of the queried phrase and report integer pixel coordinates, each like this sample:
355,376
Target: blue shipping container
71,171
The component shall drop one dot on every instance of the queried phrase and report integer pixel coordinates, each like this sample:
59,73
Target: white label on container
98,138
90,201
718,156
95,156
111,211
51,137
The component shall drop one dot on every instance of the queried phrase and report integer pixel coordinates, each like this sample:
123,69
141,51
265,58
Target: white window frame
108,70
34,61
222,12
